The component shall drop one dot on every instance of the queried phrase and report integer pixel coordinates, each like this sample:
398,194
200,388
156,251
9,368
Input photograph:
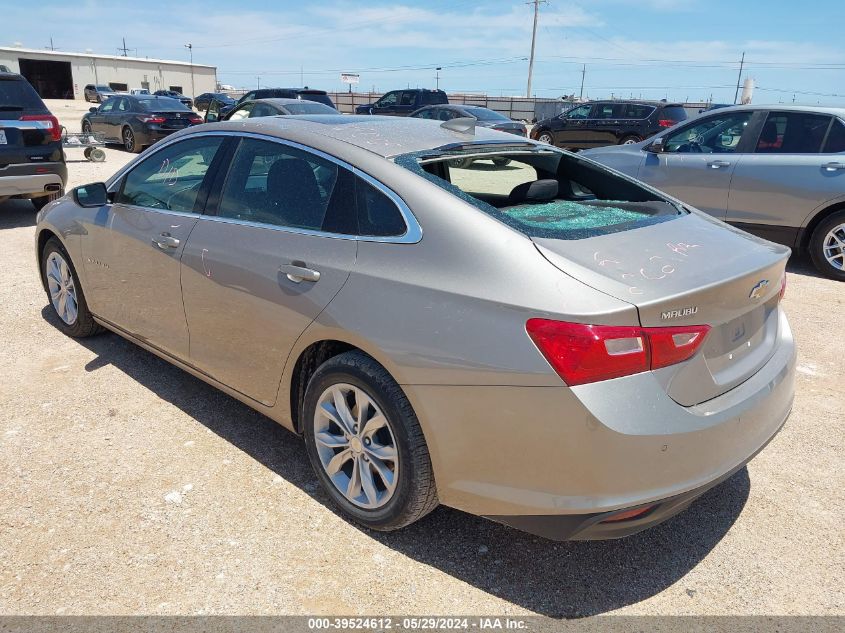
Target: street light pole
190,48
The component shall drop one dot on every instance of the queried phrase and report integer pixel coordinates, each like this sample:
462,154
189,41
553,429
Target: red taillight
47,122
782,287
582,353
666,122
152,119
195,119
671,345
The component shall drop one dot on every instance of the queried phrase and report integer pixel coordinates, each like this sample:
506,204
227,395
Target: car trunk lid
691,270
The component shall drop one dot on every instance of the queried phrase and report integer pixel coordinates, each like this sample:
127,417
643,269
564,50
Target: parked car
601,123
98,93
308,94
175,95
775,171
136,121
547,344
32,164
4,69
204,100
403,102
484,117
269,107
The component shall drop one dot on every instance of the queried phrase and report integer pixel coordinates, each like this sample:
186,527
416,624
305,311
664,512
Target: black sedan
269,107
136,121
175,95
204,100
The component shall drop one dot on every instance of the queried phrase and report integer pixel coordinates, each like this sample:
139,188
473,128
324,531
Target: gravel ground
130,487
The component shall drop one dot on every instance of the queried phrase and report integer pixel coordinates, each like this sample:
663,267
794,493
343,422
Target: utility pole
190,48
437,77
739,78
536,4
583,73
124,49
301,75
51,47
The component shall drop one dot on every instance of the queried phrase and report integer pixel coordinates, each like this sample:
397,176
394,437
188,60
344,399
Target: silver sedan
775,171
531,338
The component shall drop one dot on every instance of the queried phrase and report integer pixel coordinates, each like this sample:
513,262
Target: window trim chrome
413,231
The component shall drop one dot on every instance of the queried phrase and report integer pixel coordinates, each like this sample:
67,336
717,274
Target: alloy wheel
356,446
129,140
545,137
62,289
833,247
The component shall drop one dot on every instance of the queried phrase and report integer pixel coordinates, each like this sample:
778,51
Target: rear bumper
32,179
554,460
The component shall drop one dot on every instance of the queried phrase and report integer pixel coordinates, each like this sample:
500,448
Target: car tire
546,137
86,127
827,246
501,162
57,273
387,503
41,201
630,139
130,142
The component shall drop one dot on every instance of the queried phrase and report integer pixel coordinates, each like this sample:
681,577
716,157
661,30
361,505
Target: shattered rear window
544,193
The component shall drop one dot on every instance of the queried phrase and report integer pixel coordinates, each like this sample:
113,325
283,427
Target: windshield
543,192
484,114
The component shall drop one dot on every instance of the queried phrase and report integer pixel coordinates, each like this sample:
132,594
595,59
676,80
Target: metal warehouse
61,75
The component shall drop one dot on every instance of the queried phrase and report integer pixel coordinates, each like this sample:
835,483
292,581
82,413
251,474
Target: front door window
714,135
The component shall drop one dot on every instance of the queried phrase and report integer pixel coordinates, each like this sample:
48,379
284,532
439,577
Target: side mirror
657,146
92,110
90,196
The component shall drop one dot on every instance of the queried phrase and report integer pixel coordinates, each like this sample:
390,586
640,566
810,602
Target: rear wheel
86,127
130,143
65,292
501,162
827,246
546,137
630,139
365,444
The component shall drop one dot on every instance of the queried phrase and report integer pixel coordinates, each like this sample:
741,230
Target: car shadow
16,213
559,580
802,265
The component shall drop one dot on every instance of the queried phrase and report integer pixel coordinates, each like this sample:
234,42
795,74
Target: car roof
385,136
840,112
282,101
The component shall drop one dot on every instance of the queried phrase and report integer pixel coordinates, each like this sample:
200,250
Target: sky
674,49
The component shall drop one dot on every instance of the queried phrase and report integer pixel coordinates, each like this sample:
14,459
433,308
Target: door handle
165,241
297,272
833,166
718,164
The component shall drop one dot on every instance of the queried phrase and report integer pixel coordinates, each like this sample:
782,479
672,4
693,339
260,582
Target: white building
60,75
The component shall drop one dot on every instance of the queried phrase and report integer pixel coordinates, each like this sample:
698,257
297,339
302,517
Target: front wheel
130,143
86,127
630,139
65,292
827,246
366,445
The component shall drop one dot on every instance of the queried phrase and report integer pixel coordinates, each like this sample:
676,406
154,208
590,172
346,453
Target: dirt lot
130,487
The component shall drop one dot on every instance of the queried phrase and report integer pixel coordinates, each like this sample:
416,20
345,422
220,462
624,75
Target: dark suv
403,102
309,94
603,123
32,164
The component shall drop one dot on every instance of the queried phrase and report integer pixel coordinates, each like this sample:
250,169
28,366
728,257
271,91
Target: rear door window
793,133
835,142
272,183
407,98
718,134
